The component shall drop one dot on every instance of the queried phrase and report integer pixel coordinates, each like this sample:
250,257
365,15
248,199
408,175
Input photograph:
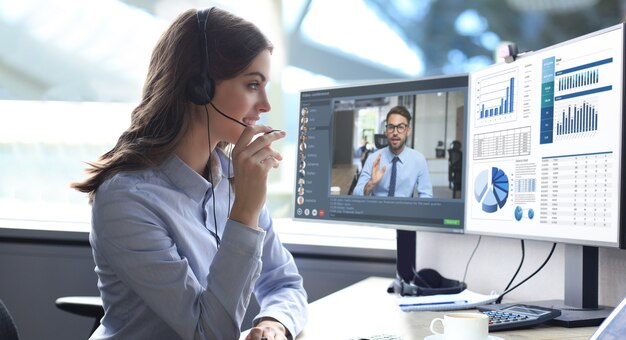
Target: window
69,81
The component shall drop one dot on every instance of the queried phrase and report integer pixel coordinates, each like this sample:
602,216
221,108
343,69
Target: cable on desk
499,300
531,275
470,258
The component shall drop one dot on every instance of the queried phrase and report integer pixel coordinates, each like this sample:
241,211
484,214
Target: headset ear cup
210,89
201,88
435,283
198,89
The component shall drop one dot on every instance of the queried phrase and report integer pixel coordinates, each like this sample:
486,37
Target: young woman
180,234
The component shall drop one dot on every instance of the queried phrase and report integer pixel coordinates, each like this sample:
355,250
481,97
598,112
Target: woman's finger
248,134
265,140
264,154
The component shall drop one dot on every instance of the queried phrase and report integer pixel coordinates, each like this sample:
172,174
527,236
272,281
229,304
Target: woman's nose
264,105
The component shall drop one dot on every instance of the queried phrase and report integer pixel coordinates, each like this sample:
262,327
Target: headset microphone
227,116
233,119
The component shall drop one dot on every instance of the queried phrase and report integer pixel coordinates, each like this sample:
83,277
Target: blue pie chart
491,189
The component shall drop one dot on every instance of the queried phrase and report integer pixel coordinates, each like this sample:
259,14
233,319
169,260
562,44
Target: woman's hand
267,329
252,161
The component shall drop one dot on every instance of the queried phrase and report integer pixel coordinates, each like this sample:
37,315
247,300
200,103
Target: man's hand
377,175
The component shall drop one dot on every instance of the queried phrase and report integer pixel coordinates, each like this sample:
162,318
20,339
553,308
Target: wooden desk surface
365,309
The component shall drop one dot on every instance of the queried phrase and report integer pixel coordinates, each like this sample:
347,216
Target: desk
365,309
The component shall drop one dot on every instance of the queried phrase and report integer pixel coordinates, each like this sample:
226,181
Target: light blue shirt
412,172
160,273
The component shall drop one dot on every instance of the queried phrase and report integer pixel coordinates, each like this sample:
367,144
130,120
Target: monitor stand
580,307
405,257
405,254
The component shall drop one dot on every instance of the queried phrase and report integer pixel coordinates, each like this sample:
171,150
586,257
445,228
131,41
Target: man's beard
397,148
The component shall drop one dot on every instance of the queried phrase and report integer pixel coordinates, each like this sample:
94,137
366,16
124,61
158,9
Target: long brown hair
163,116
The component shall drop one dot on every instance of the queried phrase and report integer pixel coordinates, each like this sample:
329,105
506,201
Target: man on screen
395,170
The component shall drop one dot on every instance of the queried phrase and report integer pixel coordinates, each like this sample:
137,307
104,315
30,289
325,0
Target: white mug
463,326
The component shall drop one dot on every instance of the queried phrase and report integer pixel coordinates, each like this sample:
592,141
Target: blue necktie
392,181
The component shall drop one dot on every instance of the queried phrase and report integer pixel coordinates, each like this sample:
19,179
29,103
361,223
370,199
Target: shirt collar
223,167
402,156
189,181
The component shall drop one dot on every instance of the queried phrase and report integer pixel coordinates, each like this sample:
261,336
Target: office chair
380,140
455,168
90,306
8,330
355,179
364,156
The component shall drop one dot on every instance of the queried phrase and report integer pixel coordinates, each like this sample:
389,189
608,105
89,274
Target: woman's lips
250,120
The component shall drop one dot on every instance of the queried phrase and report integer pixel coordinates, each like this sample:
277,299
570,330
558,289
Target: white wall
497,259
430,122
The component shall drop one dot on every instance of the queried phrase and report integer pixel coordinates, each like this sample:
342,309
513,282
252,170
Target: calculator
506,317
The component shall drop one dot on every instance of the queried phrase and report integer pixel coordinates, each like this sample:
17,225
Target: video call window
387,153
435,117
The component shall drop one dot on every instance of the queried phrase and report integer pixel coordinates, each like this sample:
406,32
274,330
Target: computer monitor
545,141
342,133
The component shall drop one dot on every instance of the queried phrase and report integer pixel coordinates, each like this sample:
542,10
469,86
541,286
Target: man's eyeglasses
400,127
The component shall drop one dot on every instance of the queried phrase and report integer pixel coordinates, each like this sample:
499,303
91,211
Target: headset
426,282
200,91
201,87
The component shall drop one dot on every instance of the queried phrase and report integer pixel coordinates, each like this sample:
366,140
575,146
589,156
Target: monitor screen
545,145
387,154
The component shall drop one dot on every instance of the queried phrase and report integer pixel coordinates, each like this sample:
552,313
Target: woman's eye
254,86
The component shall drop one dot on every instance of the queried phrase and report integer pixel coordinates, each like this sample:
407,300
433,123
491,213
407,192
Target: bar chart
497,97
574,112
576,119
581,79
506,102
580,75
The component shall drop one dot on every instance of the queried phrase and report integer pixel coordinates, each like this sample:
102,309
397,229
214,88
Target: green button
448,221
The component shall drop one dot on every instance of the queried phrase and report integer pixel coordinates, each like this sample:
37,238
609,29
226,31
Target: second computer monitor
386,154
546,141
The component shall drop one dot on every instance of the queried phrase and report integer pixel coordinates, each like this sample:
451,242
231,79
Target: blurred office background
71,71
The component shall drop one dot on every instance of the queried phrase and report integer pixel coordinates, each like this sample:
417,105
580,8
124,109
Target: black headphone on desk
426,282
201,87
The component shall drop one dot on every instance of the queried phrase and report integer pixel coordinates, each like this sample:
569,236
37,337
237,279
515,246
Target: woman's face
243,98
